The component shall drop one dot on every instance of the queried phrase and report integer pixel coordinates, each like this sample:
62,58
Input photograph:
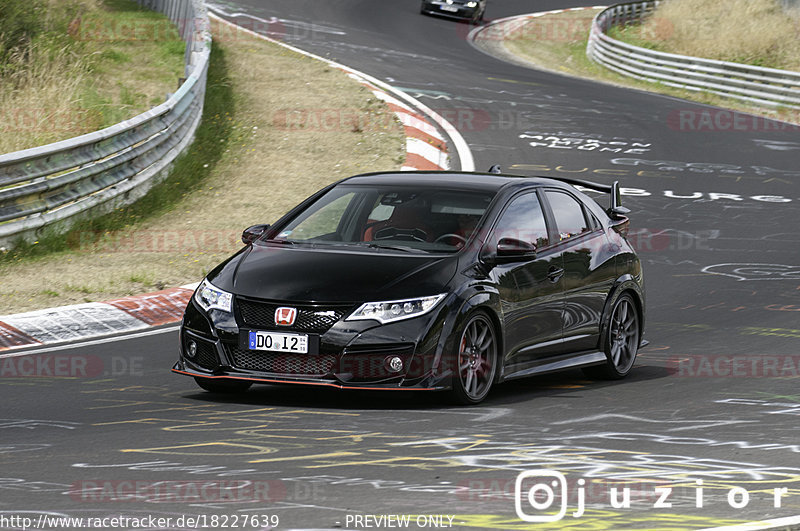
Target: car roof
451,179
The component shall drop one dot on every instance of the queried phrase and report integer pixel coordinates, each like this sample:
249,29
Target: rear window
568,213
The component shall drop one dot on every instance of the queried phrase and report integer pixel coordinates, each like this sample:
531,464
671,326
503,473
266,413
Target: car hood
301,274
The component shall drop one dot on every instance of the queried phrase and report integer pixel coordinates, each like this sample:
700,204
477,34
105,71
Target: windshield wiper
373,245
282,242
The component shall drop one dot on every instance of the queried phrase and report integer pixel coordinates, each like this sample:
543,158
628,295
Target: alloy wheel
477,356
623,335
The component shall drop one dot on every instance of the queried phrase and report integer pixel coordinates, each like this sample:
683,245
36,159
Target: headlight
472,4
389,311
210,297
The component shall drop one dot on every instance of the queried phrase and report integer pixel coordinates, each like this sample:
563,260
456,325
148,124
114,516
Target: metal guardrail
58,184
764,86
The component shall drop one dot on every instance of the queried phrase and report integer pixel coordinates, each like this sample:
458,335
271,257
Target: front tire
621,341
476,361
223,386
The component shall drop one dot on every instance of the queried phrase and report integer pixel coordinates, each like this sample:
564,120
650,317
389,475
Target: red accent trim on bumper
321,384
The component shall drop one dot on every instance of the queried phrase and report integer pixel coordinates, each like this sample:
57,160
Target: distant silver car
463,9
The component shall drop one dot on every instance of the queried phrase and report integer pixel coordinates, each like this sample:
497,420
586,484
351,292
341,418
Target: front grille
206,356
311,319
282,363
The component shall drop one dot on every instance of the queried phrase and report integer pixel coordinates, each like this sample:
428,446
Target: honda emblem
285,316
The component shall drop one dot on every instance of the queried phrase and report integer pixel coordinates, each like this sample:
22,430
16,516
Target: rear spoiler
615,210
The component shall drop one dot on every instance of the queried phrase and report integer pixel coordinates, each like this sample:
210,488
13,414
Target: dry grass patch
69,67
757,32
565,53
550,40
266,164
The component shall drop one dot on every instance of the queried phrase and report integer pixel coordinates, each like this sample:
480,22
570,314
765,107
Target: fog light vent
395,363
191,349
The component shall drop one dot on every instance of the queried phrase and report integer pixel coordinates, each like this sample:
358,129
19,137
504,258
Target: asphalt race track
712,399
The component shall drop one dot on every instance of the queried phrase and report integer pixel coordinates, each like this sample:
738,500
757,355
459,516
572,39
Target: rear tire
476,360
621,342
223,386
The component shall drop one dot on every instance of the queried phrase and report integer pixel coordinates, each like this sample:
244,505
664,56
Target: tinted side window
568,214
523,220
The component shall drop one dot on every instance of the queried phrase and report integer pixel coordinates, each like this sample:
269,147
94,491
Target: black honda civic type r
423,281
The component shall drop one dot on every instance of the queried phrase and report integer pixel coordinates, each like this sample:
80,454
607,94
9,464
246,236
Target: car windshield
395,218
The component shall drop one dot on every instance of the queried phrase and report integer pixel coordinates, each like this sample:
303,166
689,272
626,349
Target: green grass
214,135
632,34
82,65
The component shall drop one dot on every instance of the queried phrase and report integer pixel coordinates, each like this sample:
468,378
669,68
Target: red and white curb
503,28
93,319
426,148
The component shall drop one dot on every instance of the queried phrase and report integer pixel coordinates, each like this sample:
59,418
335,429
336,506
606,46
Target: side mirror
251,234
511,249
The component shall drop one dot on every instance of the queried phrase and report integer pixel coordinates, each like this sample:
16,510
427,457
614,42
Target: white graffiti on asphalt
774,408
585,142
749,272
704,167
475,452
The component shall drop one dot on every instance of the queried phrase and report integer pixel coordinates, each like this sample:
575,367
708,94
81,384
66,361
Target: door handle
554,273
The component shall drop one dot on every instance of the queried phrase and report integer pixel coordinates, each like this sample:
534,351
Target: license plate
451,9
278,342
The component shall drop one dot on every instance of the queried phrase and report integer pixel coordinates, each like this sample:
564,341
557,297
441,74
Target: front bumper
441,9
430,384
350,355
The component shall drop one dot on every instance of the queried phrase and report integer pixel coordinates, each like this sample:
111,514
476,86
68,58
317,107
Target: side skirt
557,363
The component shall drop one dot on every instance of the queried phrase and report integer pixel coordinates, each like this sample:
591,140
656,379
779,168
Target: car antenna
495,169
